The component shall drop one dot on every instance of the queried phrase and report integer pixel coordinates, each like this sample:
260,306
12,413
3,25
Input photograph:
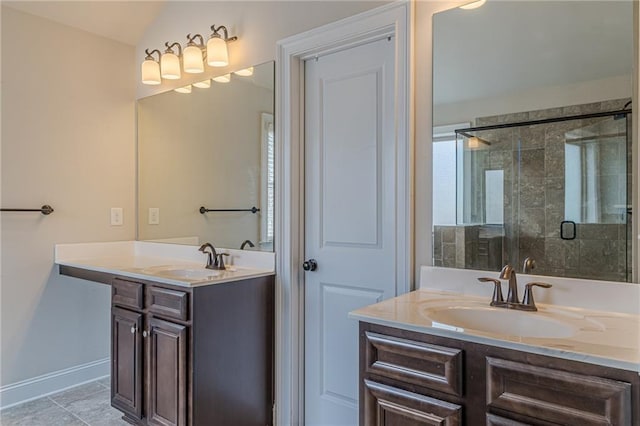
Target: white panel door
350,216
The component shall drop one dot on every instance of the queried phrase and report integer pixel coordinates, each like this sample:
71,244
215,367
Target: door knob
310,265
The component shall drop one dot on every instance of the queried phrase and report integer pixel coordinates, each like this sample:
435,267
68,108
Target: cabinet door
386,405
167,386
126,358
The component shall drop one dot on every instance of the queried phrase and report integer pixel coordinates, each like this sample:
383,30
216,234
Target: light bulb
222,78
192,59
170,66
217,54
245,72
150,71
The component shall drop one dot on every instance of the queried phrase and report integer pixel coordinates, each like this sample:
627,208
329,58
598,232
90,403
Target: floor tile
54,416
81,392
105,381
25,410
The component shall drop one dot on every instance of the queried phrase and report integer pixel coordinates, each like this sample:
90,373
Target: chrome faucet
512,302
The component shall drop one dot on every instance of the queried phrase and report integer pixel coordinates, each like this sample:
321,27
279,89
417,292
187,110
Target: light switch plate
116,216
154,216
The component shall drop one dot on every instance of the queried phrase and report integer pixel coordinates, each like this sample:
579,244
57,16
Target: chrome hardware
145,333
497,290
310,265
133,330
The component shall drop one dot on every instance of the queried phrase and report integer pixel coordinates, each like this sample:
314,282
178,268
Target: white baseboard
37,387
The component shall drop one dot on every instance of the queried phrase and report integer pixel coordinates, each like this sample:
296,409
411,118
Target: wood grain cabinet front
193,356
410,378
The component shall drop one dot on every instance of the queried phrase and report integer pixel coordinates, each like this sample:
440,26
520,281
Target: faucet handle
497,290
528,293
220,261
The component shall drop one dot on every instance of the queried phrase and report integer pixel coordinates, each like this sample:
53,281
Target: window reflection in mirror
529,182
210,148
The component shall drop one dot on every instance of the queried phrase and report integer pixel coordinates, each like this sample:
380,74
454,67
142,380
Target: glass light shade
473,5
473,143
217,54
245,72
184,89
192,60
170,66
222,78
204,84
150,71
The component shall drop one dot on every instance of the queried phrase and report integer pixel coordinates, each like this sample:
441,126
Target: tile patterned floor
84,405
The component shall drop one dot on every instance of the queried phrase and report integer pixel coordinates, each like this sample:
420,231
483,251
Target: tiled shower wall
533,160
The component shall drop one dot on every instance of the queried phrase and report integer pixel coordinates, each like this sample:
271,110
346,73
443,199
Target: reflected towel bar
253,210
45,210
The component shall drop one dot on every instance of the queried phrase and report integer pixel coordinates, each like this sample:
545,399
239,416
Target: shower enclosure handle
568,230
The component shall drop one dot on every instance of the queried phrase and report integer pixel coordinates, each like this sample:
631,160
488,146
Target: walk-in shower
554,188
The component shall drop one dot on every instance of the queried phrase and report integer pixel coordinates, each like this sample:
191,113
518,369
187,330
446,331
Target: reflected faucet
246,242
528,265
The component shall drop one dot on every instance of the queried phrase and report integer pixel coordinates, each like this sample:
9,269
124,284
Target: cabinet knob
133,330
145,334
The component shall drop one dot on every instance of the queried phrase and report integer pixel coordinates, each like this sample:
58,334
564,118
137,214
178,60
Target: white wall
68,139
257,24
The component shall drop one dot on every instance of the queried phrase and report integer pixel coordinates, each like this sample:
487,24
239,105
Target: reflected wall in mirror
532,138
210,148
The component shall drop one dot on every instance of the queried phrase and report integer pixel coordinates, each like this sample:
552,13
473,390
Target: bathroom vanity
189,346
441,357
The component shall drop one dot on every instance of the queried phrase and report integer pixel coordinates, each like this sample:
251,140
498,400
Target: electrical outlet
154,216
116,216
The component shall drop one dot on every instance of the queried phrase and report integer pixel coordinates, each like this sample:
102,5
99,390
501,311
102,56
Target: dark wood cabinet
126,359
193,356
409,378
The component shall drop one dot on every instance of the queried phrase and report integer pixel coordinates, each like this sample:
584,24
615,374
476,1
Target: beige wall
67,140
202,149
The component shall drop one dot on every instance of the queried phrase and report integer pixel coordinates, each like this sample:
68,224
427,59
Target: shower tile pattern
533,160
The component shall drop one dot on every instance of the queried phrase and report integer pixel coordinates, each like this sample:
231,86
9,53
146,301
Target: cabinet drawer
169,303
127,293
556,396
386,405
434,367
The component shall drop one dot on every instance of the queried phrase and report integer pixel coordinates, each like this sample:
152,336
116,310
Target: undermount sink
499,321
179,272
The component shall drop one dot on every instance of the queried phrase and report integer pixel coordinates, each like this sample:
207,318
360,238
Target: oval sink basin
499,321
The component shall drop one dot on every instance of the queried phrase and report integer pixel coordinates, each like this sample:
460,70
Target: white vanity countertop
152,262
603,337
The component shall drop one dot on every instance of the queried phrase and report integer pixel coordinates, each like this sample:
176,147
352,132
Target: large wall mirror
206,163
532,137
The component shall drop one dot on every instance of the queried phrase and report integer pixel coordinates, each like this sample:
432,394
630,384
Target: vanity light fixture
184,89
192,57
473,5
247,72
204,84
150,69
217,52
222,78
170,62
